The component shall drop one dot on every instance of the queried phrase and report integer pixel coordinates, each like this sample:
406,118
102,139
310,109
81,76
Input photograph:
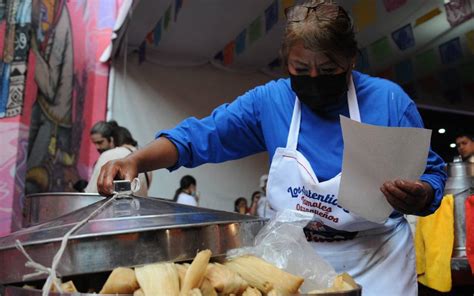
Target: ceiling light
441,131
452,145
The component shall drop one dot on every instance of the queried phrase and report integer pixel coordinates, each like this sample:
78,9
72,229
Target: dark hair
327,29
237,201
254,194
465,134
122,136
185,183
80,185
105,128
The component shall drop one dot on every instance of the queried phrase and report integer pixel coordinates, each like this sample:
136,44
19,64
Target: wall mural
50,153
52,90
13,136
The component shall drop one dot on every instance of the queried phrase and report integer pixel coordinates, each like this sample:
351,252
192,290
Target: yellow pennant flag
470,40
426,17
365,13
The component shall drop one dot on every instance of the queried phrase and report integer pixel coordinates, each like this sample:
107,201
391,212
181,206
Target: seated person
125,144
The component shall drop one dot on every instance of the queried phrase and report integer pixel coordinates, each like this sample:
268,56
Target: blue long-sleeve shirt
259,120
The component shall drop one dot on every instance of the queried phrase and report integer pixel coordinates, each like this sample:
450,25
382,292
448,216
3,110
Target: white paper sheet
374,155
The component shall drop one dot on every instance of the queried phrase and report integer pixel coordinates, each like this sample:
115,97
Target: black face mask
321,92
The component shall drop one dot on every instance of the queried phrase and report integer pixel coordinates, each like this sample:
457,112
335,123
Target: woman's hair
122,136
236,203
184,184
327,29
255,194
105,128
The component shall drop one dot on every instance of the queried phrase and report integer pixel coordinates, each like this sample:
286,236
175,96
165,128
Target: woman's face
256,197
302,61
192,189
319,82
242,206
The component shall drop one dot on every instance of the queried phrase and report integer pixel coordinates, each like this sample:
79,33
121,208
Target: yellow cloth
434,239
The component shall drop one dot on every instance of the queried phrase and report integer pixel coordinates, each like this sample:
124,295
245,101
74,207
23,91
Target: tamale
196,272
194,292
274,292
181,273
264,276
343,282
207,289
121,281
224,280
67,287
251,292
160,279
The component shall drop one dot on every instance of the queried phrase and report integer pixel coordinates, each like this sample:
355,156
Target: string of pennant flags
154,36
365,15
257,29
449,79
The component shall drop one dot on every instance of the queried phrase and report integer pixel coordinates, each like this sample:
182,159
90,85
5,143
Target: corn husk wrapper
207,289
274,292
196,272
67,287
251,292
224,280
159,279
194,292
264,276
121,281
343,282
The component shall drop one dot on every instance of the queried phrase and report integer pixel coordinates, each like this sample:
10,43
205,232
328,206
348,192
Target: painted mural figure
51,119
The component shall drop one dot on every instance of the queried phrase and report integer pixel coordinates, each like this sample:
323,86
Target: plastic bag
282,243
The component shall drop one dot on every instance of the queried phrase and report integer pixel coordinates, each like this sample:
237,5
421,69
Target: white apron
380,257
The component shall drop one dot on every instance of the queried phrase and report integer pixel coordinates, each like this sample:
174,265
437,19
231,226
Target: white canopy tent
183,58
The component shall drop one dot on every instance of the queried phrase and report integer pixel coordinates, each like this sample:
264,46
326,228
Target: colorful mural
52,89
11,132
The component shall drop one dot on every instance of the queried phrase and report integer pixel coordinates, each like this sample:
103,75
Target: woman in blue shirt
297,121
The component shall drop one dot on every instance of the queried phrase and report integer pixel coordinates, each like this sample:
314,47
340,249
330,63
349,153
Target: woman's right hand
161,153
120,169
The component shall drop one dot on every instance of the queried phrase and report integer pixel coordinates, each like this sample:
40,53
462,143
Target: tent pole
110,91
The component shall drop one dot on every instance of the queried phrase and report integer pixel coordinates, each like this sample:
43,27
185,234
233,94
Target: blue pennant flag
240,42
142,52
271,16
404,37
178,6
157,33
451,51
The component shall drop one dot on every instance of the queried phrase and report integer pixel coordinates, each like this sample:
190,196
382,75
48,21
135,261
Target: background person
240,206
101,135
465,146
186,194
125,145
254,203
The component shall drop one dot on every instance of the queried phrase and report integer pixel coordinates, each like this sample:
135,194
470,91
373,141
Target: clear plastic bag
282,243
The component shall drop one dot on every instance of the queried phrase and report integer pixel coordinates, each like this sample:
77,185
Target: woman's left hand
408,197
